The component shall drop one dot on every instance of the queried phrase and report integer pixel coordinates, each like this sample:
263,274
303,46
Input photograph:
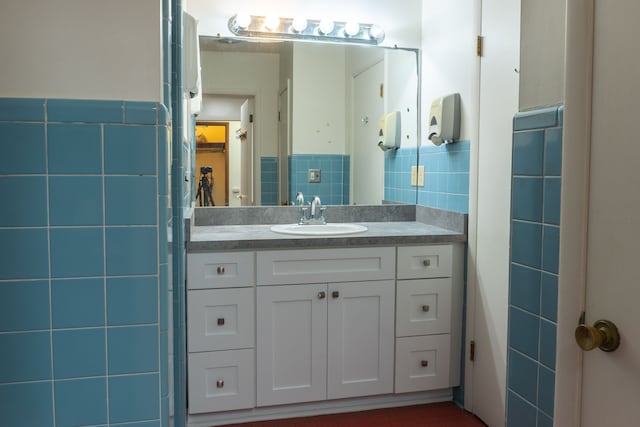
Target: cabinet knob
220,269
424,363
221,322
426,262
335,294
425,308
220,383
322,295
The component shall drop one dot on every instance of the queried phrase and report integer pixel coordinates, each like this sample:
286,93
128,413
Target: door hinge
278,115
472,350
479,45
250,118
381,90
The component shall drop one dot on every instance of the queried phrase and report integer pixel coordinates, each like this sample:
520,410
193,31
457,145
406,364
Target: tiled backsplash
333,188
533,289
83,262
269,181
446,183
446,176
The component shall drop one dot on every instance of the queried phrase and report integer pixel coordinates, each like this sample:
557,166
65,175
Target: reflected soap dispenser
444,119
390,129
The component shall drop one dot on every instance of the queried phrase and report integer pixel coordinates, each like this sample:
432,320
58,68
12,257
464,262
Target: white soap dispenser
444,119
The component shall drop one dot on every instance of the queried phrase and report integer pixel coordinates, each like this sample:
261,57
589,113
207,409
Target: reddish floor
433,415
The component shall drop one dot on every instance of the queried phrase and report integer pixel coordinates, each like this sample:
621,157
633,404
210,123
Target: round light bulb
243,20
326,26
299,24
352,28
377,33
271,22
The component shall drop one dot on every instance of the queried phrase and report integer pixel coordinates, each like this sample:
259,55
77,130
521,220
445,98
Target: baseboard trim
319,408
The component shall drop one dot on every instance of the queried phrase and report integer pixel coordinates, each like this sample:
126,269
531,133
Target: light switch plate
314,175
421,176
414,175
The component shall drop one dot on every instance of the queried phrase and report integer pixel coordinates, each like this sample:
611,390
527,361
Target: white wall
542,53
255,74
449,62
399,18
319,115
234,164
81,49
401,92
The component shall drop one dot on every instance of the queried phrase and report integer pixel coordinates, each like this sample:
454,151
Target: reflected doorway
212,163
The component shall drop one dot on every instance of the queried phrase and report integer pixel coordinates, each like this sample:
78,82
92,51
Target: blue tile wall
84,243
269,181
533,283
333,177
397,175
446,176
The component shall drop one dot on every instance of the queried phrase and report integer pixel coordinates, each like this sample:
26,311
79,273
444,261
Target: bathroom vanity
290,325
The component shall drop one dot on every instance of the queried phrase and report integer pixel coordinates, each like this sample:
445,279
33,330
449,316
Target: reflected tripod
205,187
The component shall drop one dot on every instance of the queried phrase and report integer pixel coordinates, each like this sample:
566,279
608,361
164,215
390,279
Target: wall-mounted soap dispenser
444,119
390,130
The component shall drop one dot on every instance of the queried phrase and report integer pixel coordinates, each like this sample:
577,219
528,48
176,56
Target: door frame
574,208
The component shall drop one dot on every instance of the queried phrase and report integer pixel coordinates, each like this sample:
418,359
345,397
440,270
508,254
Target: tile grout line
104,283
51,355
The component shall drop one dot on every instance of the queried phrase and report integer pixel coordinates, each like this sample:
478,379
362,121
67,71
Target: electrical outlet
414,175
421,176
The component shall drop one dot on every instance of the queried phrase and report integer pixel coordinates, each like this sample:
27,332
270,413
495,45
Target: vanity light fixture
351,29
300,28
271,23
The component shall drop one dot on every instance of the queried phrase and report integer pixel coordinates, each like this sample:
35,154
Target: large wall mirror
305,117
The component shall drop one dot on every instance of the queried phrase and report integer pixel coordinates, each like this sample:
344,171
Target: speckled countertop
245,237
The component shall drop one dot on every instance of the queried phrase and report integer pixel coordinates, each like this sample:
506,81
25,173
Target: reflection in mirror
306,117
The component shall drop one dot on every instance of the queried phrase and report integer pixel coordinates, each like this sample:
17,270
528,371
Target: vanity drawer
325,265
423,307
220,319
220,270
221,381
415,262
422,363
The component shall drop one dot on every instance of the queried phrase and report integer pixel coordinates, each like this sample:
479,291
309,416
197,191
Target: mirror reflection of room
316,107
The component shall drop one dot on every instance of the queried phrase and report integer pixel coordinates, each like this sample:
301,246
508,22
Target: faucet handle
300,198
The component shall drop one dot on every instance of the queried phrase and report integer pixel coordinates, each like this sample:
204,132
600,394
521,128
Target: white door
367,160
360,339
284,135
486,390
600,233
246,153
291,344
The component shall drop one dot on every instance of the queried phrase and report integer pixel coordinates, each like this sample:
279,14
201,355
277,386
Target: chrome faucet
313,212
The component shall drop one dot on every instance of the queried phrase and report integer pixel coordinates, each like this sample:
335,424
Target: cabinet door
360,338
291,344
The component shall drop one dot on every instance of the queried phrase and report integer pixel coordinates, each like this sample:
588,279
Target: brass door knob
603,334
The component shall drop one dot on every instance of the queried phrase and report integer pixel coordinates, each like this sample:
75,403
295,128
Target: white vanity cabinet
326,340
428,317
271,328
221,331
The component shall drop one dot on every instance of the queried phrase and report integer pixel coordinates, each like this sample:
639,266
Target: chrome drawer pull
221,322
321,295
221,269
425,308
424,363
426,262
220,383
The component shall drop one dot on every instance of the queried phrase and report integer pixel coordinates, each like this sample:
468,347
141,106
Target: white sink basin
319,229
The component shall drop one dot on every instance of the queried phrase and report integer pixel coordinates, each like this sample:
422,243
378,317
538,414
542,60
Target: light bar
300,28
